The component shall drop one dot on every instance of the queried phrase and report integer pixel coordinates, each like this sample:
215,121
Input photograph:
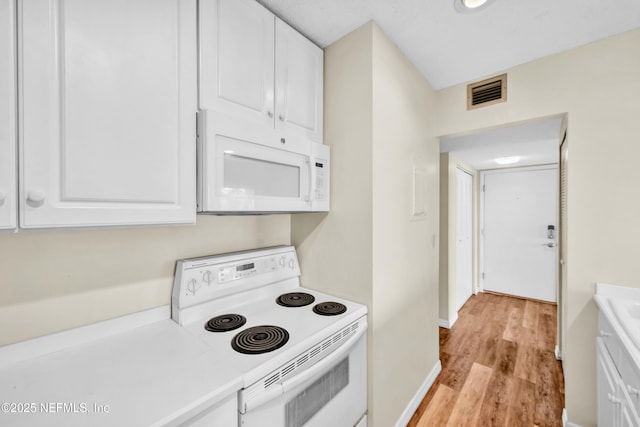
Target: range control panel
201,279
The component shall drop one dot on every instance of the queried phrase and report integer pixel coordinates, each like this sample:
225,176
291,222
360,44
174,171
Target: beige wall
598,86
448,238
55,280
379,116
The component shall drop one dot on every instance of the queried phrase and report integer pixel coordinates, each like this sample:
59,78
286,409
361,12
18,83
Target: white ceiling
535,143
449,47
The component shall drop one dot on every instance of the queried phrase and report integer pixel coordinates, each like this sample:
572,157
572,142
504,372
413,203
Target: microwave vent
487,92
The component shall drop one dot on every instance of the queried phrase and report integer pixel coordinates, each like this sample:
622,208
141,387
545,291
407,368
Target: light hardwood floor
498,367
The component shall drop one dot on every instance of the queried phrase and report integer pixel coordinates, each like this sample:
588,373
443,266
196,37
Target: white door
464,232
108,101
519,258
8,87
299,83
237,60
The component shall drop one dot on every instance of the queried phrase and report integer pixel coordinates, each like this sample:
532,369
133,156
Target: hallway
499,367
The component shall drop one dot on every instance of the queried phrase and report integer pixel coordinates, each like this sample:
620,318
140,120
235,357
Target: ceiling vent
487,92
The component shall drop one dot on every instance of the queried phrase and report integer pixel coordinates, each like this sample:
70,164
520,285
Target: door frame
481,216
562,243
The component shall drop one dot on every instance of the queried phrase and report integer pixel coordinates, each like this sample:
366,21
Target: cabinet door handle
633,390
35,197
3,197
281,117
613,399
270,114
604,334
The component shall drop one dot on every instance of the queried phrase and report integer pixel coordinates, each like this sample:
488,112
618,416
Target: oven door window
259,177
309,401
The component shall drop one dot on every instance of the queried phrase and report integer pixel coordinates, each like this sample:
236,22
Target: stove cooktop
276,318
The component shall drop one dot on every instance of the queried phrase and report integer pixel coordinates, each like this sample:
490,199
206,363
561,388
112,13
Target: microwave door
248,177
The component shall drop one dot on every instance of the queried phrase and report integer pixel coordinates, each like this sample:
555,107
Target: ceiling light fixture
507,160
466,6
472,4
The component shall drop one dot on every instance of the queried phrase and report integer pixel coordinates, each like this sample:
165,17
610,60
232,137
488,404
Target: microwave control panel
320,186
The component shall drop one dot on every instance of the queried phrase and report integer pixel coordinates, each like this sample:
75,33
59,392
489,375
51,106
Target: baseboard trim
448,323
417,398
522,298
565,420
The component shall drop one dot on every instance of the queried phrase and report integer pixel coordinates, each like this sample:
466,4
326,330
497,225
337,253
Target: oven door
332,392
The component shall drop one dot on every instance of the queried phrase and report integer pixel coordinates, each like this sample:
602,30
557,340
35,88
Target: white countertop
171,375
607,297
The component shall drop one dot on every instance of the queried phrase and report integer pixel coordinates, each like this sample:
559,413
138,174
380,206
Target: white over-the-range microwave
244,170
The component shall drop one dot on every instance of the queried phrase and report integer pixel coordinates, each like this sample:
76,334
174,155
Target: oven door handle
276,390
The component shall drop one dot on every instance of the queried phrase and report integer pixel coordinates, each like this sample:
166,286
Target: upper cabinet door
107,99
299,83
7,115
237,59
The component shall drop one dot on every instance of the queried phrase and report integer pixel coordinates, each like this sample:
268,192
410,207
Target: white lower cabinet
107,112
615,405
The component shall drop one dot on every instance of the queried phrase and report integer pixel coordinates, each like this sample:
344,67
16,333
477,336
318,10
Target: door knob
550,244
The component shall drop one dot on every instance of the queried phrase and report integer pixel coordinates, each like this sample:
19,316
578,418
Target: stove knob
292,264
191,286
282,260
206,277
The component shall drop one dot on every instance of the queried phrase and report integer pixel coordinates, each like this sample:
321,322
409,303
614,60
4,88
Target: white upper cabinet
8,87
108,101
257,71
299,83
236,59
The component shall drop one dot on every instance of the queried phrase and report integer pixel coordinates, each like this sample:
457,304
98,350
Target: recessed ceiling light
472,4
466,6
507,160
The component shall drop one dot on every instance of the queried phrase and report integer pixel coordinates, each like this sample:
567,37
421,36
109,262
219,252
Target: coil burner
260,339
225,323
329,308
295,299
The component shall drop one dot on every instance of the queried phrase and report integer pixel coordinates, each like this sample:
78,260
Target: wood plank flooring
498,367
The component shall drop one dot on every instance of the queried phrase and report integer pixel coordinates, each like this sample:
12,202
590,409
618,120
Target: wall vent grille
487,92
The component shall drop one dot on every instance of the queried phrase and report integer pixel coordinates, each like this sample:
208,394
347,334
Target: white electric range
301,353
